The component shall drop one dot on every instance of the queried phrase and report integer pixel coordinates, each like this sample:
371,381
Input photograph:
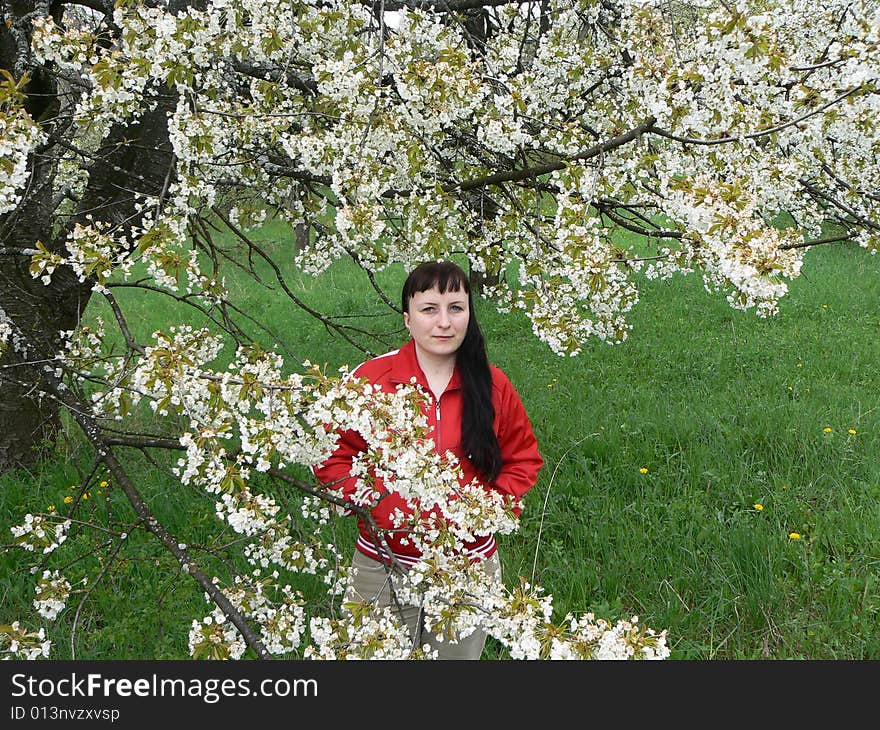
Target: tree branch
817,242
753,135
527,173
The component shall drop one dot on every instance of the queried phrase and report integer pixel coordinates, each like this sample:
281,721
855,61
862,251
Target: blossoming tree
529,136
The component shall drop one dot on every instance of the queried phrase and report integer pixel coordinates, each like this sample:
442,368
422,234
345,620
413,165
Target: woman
474,411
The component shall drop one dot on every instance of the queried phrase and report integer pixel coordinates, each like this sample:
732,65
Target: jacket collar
406,364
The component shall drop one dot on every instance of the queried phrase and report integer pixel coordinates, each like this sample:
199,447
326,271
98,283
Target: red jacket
521,461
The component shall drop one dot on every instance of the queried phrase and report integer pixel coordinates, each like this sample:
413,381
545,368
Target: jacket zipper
437,426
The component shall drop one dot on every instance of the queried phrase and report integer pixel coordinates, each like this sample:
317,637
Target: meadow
715,474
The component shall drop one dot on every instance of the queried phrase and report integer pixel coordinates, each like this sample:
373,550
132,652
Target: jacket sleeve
335,472
521,460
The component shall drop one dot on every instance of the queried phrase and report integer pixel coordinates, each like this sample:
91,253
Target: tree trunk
480,201
133,157
28,420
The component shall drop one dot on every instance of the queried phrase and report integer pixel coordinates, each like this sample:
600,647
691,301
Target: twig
547,497
97,580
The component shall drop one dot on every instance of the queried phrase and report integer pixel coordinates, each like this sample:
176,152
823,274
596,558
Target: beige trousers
371,583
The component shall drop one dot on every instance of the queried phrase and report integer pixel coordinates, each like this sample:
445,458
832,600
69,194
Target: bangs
444,275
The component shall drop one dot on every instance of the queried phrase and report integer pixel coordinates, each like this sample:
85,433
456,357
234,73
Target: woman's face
438,322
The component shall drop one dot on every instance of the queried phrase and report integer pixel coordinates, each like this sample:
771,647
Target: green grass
723,409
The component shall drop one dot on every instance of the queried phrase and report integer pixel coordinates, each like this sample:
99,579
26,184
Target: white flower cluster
363,634
600,639
245,512
94,253
210,639
276,546
529,634
755,273
433,72
5,334
52,591
474,510
281,620
165,375
316,510
84,350
19,135
39,534
18,643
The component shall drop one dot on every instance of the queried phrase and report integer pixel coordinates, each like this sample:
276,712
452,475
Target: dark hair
478,414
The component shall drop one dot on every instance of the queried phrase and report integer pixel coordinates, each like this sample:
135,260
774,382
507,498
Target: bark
27,420
134,157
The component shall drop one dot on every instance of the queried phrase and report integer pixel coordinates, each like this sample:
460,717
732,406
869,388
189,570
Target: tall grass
679,465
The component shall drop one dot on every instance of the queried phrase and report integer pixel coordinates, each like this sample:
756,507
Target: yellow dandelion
643,470
758,506
827,429
68,499
51,508
85,495
794,535
824,306
103,484
852,432
73,486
